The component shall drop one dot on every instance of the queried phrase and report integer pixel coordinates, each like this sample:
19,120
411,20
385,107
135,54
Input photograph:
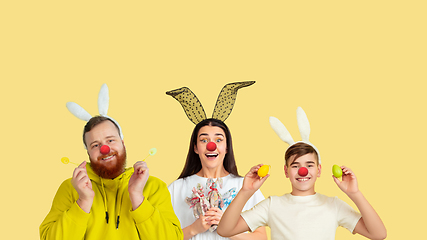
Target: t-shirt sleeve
347,217
258,215
254,200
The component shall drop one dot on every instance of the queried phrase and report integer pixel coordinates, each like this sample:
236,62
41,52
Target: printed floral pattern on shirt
201,202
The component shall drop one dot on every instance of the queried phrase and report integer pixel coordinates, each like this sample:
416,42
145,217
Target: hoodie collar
115,184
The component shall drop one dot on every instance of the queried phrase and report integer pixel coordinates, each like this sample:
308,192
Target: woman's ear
195,149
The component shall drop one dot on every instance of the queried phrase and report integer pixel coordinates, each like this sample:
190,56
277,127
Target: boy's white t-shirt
181,189
302,217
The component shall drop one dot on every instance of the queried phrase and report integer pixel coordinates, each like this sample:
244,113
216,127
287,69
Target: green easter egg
337,171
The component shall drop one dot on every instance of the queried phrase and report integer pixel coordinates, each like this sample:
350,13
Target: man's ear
285,168
88,155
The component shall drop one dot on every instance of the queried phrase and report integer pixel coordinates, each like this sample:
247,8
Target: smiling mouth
109,157
211,155
302,179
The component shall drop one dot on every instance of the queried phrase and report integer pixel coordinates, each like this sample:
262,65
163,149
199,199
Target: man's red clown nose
105,149
303,171
211,146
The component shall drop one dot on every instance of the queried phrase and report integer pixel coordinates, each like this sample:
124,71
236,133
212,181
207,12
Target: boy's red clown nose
303,171
211,146
105,149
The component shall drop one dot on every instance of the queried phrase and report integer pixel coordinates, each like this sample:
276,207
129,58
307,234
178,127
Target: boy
303,213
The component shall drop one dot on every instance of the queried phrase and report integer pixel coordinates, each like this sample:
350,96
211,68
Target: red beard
109,170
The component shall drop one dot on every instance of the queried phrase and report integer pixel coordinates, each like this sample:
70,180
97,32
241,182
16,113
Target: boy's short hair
298,150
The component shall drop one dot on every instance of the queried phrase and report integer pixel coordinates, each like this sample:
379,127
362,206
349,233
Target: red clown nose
105,149
303,171
211,146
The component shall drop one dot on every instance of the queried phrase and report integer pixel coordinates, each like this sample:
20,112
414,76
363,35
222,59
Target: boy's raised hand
370,224
252,181
231,222
349,181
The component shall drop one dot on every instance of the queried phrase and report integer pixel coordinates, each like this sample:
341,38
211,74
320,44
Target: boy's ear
319,168
285,168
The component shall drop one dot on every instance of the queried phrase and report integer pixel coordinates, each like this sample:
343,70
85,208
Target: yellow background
358,69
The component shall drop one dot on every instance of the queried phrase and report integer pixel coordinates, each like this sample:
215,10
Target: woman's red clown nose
303,171
105,149
211,146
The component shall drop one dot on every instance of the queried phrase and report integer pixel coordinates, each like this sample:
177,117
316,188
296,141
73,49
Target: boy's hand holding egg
263,170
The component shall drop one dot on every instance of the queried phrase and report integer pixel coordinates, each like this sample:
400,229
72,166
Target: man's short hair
95,121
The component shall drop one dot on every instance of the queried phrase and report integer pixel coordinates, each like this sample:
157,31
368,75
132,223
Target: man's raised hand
81,182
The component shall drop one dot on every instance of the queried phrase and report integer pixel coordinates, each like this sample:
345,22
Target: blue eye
204,140
218,140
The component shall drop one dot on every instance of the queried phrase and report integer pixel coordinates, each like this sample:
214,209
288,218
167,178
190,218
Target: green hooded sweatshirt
111,215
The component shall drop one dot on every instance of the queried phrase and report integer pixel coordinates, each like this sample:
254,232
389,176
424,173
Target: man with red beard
105,200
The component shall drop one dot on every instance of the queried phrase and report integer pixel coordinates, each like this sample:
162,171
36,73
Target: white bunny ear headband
103,101
304,129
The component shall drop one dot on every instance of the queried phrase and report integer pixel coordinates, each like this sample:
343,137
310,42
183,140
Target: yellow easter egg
263,170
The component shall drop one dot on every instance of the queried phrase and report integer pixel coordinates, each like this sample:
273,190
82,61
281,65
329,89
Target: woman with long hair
209,180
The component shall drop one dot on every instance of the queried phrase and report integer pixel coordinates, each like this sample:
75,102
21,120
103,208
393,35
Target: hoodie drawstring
119,200
105,200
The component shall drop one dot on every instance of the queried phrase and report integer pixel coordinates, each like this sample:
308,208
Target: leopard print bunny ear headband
223,107
103,102
304,129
